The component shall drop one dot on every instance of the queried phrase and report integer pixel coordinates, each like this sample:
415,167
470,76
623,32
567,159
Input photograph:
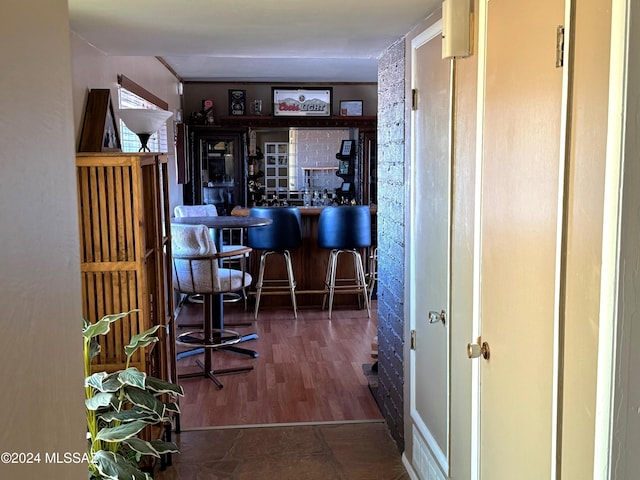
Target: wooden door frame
618,295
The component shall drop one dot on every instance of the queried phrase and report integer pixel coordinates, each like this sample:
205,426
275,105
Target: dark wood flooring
304,411
308,370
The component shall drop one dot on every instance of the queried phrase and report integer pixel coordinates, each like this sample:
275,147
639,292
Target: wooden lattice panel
121,247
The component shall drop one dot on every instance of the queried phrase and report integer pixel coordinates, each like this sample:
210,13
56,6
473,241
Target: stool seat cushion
232,280
285,233
345,227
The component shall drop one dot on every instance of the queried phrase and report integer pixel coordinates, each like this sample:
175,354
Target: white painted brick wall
317,148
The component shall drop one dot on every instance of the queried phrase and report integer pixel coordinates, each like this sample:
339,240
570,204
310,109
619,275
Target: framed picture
237,102
351,108
348,148
301,102
99,130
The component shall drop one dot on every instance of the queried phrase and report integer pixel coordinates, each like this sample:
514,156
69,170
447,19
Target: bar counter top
304,211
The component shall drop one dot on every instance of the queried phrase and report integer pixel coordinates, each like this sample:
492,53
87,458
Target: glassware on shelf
306,198
325,198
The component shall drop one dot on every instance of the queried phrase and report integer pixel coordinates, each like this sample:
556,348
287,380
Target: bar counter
309,263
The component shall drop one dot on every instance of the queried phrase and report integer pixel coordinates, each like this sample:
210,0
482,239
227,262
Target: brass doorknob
474,350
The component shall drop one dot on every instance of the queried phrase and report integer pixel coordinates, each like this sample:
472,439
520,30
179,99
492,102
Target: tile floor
346,451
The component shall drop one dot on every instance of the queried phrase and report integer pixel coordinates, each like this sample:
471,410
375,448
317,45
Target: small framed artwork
351,108
99,130
237,102
301,102
345,187
348,148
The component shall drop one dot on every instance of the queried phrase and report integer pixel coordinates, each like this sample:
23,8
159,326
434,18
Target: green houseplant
120,405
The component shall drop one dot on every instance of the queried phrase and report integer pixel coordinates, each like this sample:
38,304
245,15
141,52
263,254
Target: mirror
298,158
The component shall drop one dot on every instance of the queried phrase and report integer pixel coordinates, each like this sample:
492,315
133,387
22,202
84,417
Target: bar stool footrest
220,338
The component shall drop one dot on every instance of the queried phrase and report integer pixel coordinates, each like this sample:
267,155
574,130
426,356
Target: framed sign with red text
301,102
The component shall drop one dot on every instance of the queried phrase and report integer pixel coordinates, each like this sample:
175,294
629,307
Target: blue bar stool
283,235
345,230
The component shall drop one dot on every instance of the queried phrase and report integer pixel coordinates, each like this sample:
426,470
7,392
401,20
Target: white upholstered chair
232,239
197,271
196,262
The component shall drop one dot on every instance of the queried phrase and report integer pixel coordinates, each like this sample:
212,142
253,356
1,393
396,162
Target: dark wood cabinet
213,159
215,167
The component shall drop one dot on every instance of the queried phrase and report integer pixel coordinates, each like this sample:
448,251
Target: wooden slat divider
93,212
108,266
121,210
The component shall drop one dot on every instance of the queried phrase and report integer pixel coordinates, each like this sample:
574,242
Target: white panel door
519,239
430,246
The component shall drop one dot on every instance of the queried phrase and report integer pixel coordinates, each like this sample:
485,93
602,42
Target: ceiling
249,40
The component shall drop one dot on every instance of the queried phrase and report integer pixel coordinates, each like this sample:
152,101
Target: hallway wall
41,342
93,69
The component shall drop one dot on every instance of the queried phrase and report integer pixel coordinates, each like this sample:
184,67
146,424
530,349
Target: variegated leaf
102,326
144,399
129,416
134,377
95,380
164,447
99,400
104,382
160,386
141,340
171,407
142,447
113,466
121,432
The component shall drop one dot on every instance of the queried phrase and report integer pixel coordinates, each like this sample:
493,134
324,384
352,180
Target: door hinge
413,340
560,46
414,99
435,317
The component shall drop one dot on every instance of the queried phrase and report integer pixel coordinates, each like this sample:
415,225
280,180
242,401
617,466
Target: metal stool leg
362,281
292,282
356,274
373,272
332,280
259,284
264,286
327,280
